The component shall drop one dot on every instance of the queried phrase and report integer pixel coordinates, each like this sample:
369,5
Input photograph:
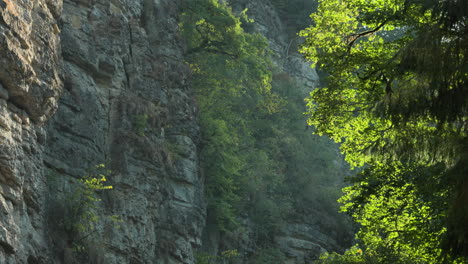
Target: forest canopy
261,167
396,98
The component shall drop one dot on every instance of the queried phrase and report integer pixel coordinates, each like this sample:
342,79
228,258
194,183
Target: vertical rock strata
127,104
30,59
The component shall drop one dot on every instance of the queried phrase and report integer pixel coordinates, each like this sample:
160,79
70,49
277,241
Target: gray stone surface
123,60
30,84
116,60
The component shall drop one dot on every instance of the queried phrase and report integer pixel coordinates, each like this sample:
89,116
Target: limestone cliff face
276,26
127,103
30,84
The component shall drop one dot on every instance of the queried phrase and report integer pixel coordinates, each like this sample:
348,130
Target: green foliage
356,255
397,70
224,257
172,152
353,255
80,218
140,124
258,161
268,256
232,82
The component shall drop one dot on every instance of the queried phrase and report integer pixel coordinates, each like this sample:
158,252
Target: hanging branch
354,37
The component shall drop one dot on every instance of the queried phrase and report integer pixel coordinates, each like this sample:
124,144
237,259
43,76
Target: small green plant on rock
268,256
81,204
224,257
140,124
172,152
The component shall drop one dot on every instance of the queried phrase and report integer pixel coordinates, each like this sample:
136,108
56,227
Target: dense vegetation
397,99
261,167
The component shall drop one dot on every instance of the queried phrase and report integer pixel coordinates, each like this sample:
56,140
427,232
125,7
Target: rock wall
127,104
30,84
283,39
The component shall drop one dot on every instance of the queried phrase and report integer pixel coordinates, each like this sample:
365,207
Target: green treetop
397,99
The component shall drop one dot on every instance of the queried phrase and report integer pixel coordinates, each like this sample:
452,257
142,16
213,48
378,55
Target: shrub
74,212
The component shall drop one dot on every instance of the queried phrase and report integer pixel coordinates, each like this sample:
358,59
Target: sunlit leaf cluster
396,98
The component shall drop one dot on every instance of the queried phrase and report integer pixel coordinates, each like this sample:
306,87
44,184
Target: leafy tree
396,99
252,171
232,79
256,157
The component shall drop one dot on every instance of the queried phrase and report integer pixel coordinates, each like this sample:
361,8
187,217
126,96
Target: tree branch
354,37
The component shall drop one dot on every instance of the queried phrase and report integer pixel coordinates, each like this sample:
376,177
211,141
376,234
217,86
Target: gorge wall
317,228
123,63
30,85
89,82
